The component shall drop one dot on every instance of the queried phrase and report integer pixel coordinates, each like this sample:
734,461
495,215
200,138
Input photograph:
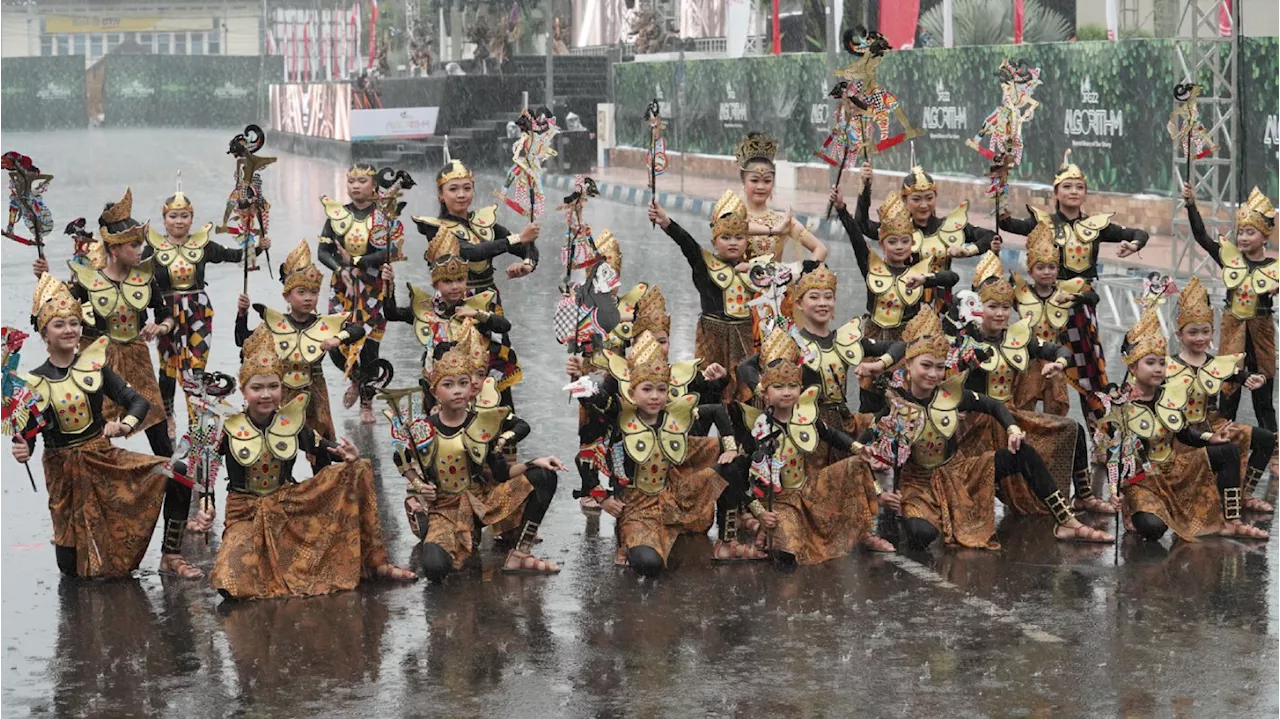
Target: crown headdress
1145,338
179,200
819,278
259,356
609,249
1257,212
990,282
729,216
52,299
1041,246
444,256
1193,304
924,335
651,313
647,361
755,146
453,363
361,169
1068,171
298,270
918,181
895,219
119,212
453,169
779,359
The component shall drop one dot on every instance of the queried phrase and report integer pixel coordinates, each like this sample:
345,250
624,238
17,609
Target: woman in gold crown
755,155
355,245
1078,237
454,463
723,280
1208,375
1252,278
301,336
997,357
285,538
120,295
180,260
1047,303
1169,489
895,286
103,500
817,509
940,491
665,482
939,239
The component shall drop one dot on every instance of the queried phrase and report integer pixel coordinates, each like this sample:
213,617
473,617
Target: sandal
1257,504
1240,530
394,573
350,396
750,524
1096,505
1083,533
876,543
529,564
589,505
620,557
174,565
737,552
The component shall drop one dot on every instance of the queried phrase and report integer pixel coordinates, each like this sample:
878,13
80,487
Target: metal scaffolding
1210,59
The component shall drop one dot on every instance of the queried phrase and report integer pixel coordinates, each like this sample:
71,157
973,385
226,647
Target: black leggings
168,391
1224,460
1027,462
437,563
734,497
364,365
1263,397
1261,444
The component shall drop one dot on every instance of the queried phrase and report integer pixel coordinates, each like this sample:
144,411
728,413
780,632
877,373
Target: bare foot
1074,531
521,563
876,543
1244,531
1093,504
174,565
1256,504
394,573
737,551
620,558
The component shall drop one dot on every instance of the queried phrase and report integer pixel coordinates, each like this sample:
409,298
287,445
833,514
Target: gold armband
887,359
1015,429
131,422
756,508
343,336
1206,436
513,240
1063,361
728,444
505,437
483,316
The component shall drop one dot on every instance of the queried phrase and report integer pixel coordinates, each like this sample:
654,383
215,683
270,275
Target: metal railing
756,45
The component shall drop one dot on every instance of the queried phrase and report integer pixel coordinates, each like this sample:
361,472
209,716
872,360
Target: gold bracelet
513,240
130,422
1015,429
728,444
343,336
756,508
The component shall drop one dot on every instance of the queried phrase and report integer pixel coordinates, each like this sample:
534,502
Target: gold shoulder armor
956,219
721,273
637,438
1042,215
86,371
948,395
136,287
200,238
682,373
801,429
243,438
340,218
879,277
1095,223
482,430
282,435
1174,393
1212,374
1234,269
485,217
39,386
848,341
489,397
627,301
675,427
1017,336
420,304
157,241
481,301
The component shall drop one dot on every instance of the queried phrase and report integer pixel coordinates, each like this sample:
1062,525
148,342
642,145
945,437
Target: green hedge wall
42,93
187,91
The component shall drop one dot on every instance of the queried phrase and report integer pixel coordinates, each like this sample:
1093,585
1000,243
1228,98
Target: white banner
737,17
404,123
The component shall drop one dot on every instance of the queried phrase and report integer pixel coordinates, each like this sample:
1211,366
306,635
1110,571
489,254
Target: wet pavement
1040,628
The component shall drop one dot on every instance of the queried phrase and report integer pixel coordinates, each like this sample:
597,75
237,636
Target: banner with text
395,123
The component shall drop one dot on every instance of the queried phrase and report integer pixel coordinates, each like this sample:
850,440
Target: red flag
1019,18
898,20
1224,18
306,47
373,40
777,30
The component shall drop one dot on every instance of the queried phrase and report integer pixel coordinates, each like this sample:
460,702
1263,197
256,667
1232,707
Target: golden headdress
453,169
259,356
647,361
120,212
52,299
779,359
1257,212
755,146
298,271
651,313
609,249
1068,171
1145,338
444,257
476,348
179,200
918,181
362,169
1193,304
990,281
819,278
895,219
729,216
1041,246
453,363
924,335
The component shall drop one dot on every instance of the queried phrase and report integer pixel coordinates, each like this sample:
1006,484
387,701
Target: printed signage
403,123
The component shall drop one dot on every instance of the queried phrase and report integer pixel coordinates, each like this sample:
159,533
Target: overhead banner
397,123
72,24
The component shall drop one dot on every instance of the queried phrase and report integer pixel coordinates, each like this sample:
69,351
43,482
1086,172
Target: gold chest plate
263,476
356,239
71,404
834,373
651,474
122,323
891,293
950,233
180,260
1246,284
452,466
119,304
1159,438
792,474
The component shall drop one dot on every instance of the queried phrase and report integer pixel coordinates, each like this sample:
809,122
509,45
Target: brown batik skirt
132,361
1182,492
958,498
316,537
1032,387
686,505
728,344
318,416
1052,437
827,516
104,501
452,518
1256,337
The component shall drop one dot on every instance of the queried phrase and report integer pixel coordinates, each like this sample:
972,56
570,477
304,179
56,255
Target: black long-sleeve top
1110,233
969,402
862,226
495,467
484,251
862,253
1265,301
214,254
837,438
328,253
310,443
395,313
749,368
1036,350
354,331
710,296
157,306
113,387
1192,436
